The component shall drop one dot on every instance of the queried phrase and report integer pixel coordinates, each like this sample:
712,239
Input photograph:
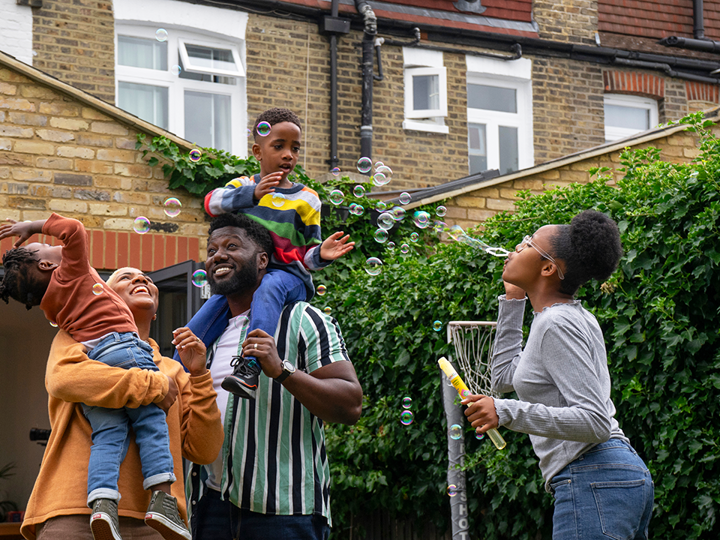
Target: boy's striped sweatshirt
294,226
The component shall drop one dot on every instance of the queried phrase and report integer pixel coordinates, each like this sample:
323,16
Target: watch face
288,367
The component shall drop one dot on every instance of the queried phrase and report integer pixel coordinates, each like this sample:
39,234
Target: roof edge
644,137
113,111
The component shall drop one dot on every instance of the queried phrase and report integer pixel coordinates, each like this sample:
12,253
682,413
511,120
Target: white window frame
513,74
613,133
188,62
213,29
420,62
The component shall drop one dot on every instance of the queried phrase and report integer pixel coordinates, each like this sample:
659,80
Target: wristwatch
288,369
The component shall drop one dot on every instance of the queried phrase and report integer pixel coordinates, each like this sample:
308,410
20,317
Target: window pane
508,143
204,76
492,98
477,148
627,117
207,120
426,92
142,53
144,101
208,58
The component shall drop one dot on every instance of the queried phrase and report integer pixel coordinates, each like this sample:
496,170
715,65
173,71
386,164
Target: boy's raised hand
267,184
23,229
335,246
191,350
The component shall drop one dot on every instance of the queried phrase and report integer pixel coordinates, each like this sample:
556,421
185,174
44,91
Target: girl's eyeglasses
527,242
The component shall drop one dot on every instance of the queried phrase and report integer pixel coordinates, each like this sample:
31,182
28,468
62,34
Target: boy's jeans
111,427
277,289
605,493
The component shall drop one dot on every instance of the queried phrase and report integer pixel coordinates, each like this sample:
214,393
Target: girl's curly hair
17,283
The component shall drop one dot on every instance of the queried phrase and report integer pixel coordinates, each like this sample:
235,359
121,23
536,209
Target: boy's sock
104,522
244,380
163,516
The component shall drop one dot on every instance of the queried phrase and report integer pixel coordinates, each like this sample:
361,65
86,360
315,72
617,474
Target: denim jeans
606,493
215,519
111,427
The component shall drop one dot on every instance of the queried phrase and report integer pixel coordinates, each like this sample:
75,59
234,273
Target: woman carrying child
57,508
601,486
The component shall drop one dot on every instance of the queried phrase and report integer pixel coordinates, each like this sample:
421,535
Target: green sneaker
104,522
163,516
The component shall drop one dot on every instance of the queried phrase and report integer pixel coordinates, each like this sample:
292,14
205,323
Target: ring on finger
254,345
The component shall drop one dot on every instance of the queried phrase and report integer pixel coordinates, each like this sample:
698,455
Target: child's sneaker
244,380
104,522
163,516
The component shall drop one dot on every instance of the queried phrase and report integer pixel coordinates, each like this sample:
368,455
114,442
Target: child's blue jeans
277,289
605,493
111,427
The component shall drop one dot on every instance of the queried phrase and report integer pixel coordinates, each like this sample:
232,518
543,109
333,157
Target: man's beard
243,280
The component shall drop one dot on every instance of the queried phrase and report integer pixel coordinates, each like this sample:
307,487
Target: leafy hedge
659,313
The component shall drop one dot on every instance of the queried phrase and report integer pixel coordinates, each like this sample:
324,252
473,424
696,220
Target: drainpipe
698,23
368,43
334,26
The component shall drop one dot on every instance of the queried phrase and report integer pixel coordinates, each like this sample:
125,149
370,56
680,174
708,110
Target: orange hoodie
71,378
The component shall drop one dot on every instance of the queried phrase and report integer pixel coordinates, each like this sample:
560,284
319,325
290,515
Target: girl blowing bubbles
601,486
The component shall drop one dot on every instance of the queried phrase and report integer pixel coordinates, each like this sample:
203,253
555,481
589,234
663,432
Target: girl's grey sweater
561,378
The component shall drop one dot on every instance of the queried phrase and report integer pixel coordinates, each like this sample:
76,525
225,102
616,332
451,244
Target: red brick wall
628,82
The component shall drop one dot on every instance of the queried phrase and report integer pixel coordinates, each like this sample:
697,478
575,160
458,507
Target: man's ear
46,265
262,260
257,151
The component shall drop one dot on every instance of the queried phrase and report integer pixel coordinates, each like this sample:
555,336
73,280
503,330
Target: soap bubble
263,129
141,225
379,179
437,326
54,325
439,226
379,164
386,221
464,393
404,249
407,402
199,278
97,289
456,432
195,155
381,206
381,236
364,164
398,213
278,200
161,34
452,490
414,237
405,197
327,310
321,290
406,418
456,232
358,210
335,171
391,245
440,211
172,207
358,191
336,196
373,266
176,69
384,169
421,219
479,436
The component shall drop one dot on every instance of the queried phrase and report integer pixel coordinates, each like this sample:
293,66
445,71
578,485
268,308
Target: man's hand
262,346
23,229
191,350
170,397
335,247
267,184
481,412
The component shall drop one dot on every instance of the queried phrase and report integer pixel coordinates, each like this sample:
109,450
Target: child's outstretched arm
335,246
23,229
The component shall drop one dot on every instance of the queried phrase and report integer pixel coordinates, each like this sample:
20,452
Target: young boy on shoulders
291,212
73,296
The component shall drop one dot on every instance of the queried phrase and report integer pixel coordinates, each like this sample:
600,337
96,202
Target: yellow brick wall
60,155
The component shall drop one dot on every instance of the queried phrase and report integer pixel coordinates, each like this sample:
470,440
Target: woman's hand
170,397
191,350
513,292
481,412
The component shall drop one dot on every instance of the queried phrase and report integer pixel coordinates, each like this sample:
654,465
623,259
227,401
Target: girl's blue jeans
111,427
607,493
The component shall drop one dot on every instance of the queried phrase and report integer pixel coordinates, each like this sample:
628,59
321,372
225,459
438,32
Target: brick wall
573,21
59,155
74,41
470,209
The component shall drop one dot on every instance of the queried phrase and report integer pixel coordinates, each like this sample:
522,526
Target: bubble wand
464,391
